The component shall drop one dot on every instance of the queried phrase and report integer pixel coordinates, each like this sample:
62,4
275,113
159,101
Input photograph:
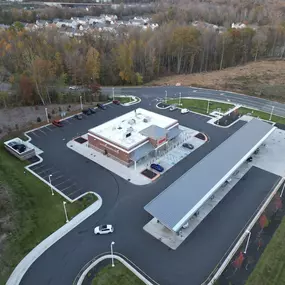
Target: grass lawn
261,115
31,213
118,275
270,269
200,106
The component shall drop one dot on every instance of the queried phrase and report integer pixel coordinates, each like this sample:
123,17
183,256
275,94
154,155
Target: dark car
188,145
17,146
101,106
57,123
249,159
78,117
117,102
86,112
157,167
92,110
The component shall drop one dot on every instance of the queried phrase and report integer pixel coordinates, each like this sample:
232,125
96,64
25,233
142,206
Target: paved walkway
28,260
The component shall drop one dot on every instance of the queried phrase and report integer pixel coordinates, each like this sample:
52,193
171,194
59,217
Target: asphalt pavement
123,205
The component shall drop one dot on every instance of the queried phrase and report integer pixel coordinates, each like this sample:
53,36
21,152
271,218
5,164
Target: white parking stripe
33,133
57,177
75,191
42,131
67,187
39,173
61,183
37,167
47,127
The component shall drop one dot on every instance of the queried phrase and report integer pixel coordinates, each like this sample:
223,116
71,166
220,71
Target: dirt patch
264,79
14,119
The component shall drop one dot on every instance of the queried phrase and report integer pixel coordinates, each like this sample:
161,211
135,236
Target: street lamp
112,253
64,207
208,107
47,115
113,93
165,96
271,113
49,177
81,106
281,194
179,99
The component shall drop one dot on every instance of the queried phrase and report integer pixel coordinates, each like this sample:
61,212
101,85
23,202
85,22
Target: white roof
133,122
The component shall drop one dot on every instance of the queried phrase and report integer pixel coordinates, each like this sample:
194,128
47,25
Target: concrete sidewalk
31,257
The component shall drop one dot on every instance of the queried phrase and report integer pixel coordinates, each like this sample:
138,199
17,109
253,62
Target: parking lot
123,205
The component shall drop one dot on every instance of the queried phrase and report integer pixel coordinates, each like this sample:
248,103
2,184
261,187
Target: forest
39,63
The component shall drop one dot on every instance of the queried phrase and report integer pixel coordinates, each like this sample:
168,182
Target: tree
26,89
92,64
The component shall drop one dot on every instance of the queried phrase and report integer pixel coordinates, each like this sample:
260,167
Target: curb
122,260
20,270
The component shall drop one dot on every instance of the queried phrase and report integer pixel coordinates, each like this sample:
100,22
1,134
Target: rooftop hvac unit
132,121
146,119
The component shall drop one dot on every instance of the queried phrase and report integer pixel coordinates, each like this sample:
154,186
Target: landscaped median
201,106
117,275
28,212
127,99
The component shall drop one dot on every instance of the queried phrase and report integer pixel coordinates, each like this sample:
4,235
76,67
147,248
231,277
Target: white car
73,87
184,111
172,108
103,230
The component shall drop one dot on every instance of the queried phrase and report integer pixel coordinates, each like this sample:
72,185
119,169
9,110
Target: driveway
123,205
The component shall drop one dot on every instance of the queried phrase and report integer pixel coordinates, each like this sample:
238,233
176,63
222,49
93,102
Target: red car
57,123
117,102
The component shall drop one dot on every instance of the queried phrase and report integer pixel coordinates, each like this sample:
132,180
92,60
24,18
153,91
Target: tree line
38,64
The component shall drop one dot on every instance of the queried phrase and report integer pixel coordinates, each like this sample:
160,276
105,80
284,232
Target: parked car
157,167
249,159
103,229
172,108
57,123
78,117
92,110
188,145
73,87
117,102
86,112
17,146
184,111
101,106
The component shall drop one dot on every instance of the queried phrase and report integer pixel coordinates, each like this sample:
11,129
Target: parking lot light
49,177
247,242
112,253
165,96
65,212
281,194
81,105
208,107
271,113
47,115
113,93
179,99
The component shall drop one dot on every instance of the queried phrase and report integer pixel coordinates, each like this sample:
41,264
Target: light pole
47,115
208,107
271,113
81,106
179,99
247,242
64,207
281,194
113,93
165,96
112,253
49,177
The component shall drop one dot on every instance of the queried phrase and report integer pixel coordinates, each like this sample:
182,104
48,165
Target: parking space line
37,167
47,127
42,131
75,191
44,170
57,178
66,187
61,182
33,133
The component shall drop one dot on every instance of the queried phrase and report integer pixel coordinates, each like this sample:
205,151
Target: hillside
263,79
